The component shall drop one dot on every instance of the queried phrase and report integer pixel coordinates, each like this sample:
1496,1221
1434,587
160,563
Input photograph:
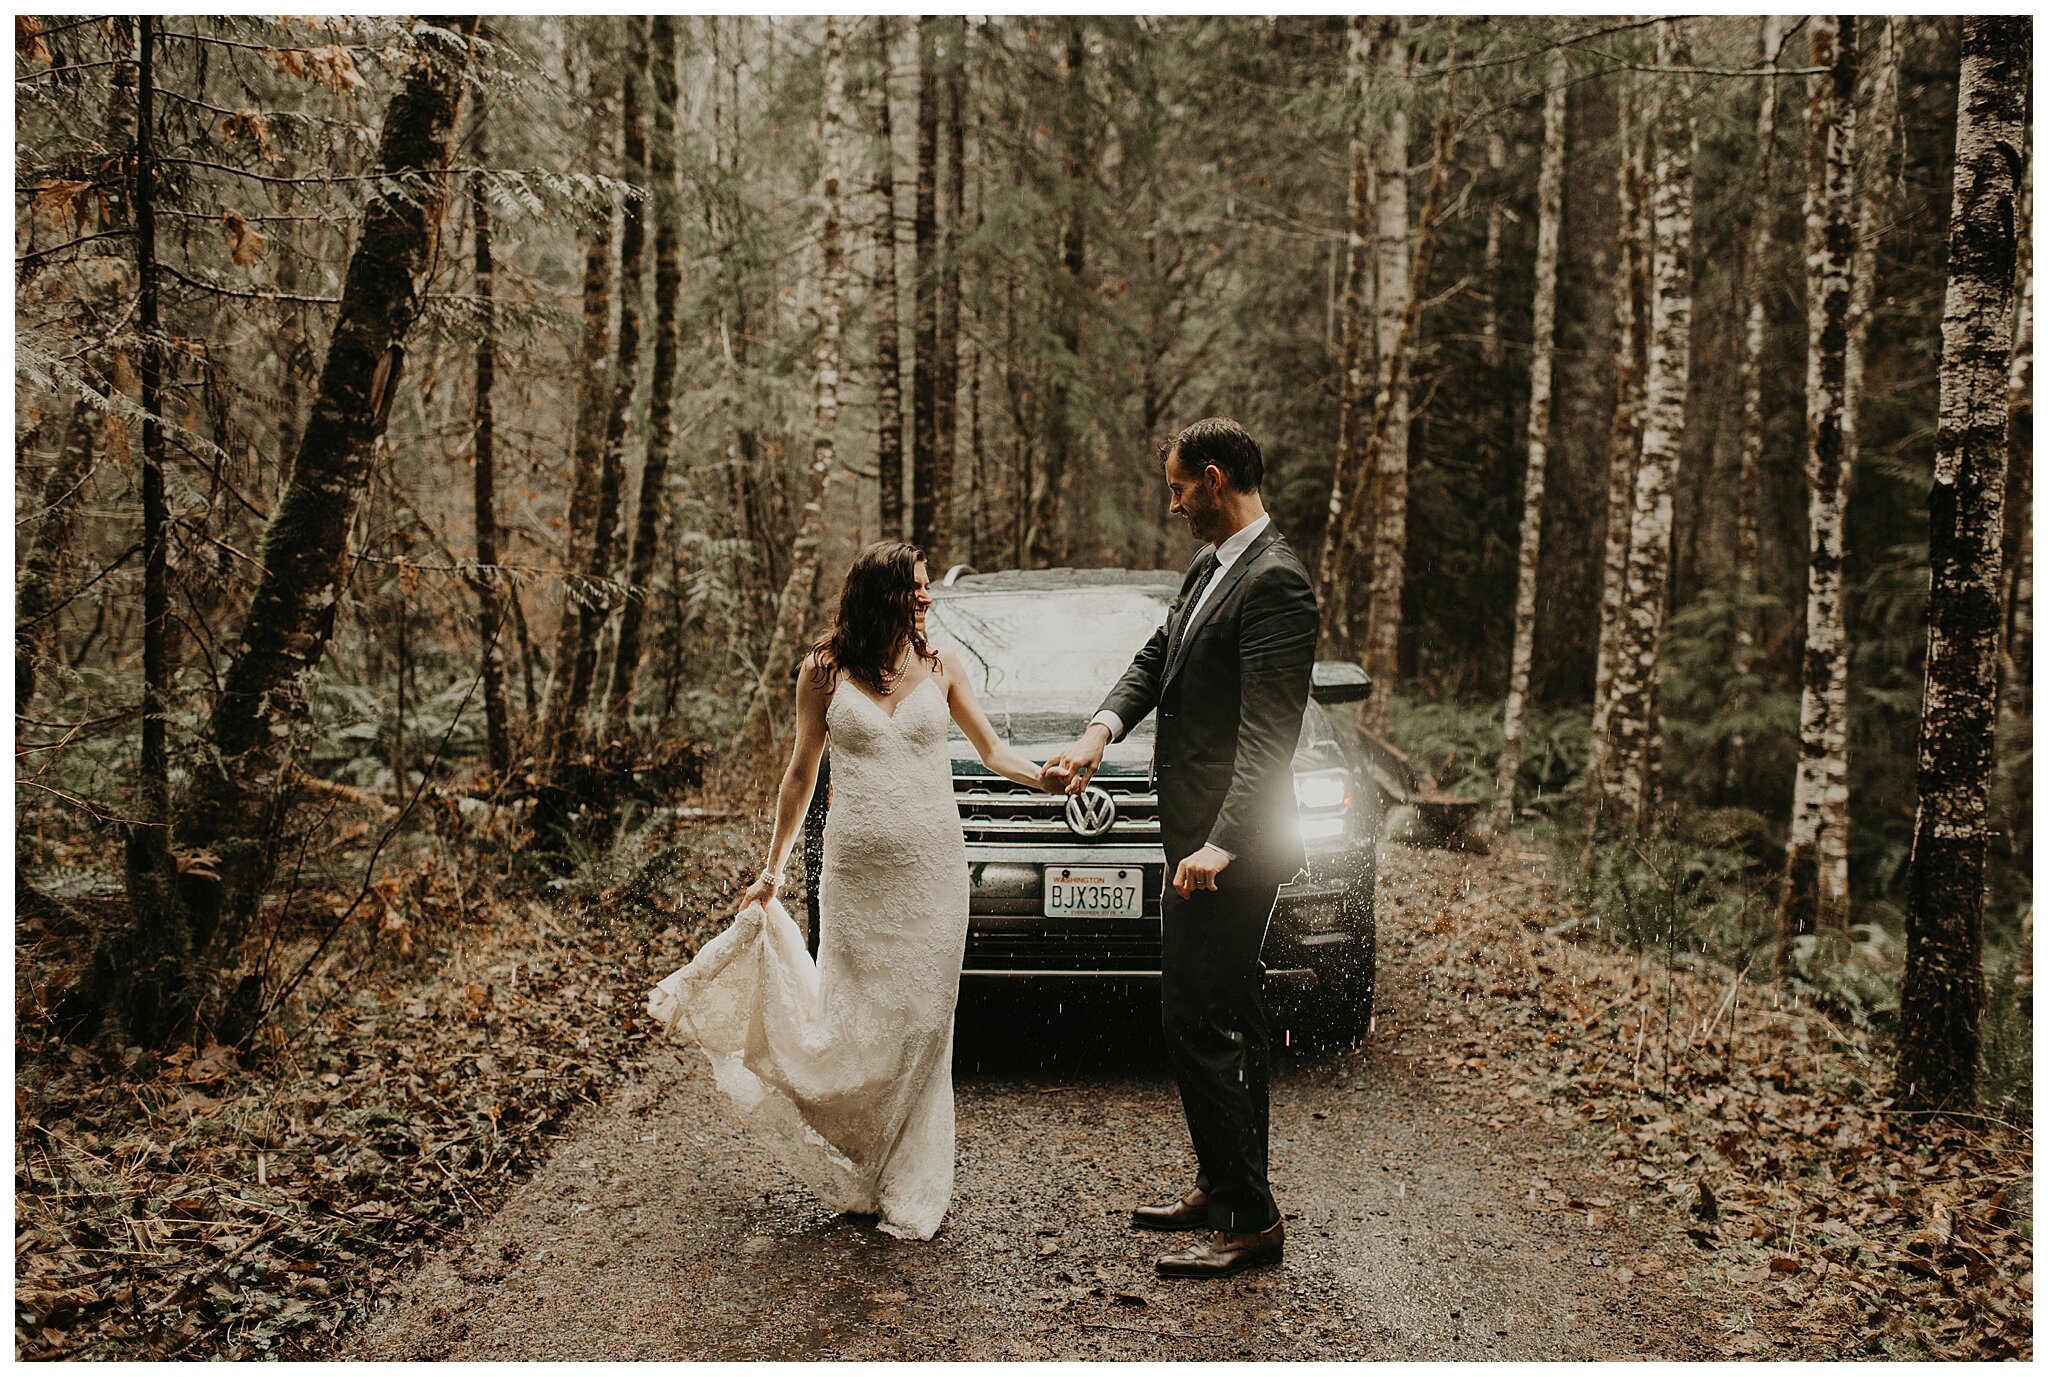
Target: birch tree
1881,163
1755,266
1880,158
1549,216
793,606
1388,533
1624,443
1630,801
1356,339
1490,350
1941,999
1815,898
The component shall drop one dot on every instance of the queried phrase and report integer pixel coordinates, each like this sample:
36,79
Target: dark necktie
1205,569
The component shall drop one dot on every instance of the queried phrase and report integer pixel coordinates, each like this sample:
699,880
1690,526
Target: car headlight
1323,791
1324,800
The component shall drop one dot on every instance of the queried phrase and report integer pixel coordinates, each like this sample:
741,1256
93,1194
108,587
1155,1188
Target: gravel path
1414,1231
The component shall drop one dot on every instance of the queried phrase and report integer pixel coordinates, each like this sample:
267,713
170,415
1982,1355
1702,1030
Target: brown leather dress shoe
1191,1211
1223,1253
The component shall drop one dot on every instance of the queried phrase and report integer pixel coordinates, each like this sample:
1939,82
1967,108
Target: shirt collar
1229,550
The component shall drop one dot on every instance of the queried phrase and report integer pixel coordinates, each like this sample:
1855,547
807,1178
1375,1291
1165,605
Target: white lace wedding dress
843,1068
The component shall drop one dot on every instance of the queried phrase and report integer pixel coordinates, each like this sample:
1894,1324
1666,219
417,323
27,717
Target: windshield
1041,662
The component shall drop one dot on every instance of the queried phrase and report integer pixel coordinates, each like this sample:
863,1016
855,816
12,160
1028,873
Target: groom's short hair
1226,444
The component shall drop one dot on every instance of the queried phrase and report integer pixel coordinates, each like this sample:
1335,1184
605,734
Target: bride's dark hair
877,614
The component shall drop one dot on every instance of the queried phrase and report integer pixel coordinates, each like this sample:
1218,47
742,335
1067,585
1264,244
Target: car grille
992,809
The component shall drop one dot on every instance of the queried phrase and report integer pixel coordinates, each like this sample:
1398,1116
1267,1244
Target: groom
1228,674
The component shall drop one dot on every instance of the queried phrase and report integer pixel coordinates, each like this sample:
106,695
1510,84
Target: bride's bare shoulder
816,677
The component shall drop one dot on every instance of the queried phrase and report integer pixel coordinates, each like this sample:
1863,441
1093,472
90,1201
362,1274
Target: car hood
1038,730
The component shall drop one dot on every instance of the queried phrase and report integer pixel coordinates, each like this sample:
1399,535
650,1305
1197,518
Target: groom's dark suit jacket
1230,686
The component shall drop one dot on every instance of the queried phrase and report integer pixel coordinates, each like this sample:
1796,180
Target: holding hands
1070,770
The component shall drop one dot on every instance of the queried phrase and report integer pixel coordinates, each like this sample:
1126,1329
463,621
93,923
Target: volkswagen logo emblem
1091,812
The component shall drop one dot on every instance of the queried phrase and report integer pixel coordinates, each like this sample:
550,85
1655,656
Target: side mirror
1338,681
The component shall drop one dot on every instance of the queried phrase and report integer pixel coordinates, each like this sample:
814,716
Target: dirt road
1414,1228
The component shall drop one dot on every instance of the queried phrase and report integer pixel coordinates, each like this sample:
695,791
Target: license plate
1079,891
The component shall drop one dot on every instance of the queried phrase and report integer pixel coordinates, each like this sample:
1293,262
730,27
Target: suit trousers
1219,1042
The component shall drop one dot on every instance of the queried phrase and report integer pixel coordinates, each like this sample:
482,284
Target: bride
843,1068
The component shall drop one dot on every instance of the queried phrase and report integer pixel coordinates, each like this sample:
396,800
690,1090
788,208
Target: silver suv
1069,886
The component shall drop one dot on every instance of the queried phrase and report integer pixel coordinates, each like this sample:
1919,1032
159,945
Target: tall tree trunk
924,384
1809,900
1941,999
1356,352
1749,377
977,507
1549,216
2017,684
227,825
586,476
488,581
1490,351
156,588
1396,289
661,387
888,344
625,385
749,499
945,426
2015,739
1045,537
36,595
1394,375
1624,448
1632,723
754,749
1756,262
1882,161
147,974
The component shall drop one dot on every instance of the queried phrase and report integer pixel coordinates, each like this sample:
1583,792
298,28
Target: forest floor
1551,1146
